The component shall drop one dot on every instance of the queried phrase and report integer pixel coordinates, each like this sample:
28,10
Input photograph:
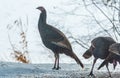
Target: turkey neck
42,19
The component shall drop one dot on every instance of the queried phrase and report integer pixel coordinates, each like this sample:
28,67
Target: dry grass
20,54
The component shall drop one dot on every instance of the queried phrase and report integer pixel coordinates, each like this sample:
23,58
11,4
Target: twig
96,19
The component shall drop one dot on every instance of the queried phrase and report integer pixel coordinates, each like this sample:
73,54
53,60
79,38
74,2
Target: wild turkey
99,49
54,39
114,55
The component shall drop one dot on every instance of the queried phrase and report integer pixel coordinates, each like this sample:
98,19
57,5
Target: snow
19,70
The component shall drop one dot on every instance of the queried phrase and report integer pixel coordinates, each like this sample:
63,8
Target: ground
19,70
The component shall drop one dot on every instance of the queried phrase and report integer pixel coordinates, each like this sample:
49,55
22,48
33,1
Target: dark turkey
55,40
99,49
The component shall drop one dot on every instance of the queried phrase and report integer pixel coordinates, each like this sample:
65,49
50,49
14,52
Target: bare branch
96,19
108,19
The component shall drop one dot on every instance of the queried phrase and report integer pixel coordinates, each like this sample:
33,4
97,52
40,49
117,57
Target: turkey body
100,50
55,40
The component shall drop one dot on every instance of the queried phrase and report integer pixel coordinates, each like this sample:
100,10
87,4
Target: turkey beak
38,8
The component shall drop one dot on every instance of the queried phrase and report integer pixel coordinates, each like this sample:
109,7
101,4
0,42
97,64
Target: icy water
19,70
